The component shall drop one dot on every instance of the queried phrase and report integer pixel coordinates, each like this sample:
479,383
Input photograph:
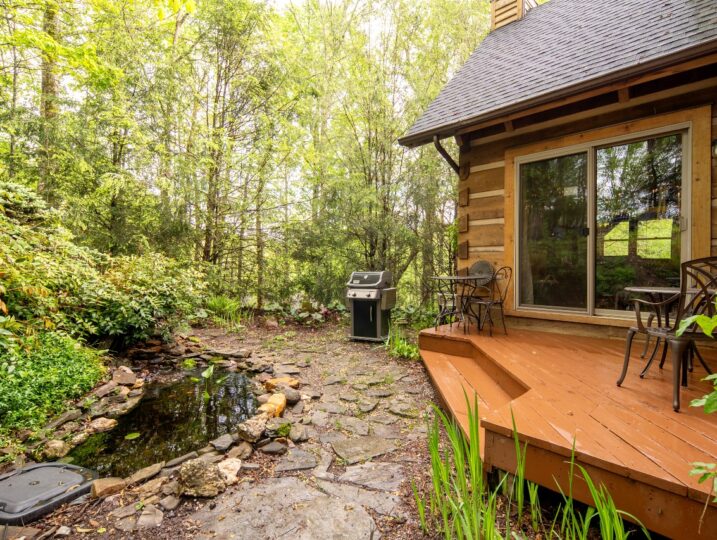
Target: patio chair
448,307
641,328
696,297
490,296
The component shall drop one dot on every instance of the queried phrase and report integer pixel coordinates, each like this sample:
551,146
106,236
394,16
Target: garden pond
172,419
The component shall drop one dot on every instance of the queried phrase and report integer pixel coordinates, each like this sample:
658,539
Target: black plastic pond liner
31,492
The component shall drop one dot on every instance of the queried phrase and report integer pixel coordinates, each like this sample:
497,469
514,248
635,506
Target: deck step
450,375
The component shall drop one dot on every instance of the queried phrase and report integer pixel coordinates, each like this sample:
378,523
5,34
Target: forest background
256,137
165,160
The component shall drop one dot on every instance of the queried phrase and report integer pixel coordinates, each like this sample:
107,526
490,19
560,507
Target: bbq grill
370,297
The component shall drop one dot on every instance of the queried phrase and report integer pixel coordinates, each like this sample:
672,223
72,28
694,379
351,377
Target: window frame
685,129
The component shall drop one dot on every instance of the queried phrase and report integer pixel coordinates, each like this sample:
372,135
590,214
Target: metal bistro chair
660,315
448,307
697,297
482,272
493,295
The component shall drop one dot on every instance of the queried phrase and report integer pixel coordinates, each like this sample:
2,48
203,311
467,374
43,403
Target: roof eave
448,130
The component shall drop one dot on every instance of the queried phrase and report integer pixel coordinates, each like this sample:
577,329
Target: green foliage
36,384
417,317
461,506
399,347
48,282
707,472
227,311
144,155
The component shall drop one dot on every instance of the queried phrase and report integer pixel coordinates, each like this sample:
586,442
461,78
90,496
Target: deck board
561,388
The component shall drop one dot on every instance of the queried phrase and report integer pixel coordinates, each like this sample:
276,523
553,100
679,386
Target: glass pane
553,232
638,218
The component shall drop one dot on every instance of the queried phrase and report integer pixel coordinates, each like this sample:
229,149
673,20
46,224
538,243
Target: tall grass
460,504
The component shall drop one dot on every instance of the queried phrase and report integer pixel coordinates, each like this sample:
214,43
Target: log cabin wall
485,178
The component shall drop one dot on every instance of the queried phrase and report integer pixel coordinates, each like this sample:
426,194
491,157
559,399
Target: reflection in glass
638,218
553,232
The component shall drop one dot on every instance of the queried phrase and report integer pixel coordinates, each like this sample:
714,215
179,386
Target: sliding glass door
554,232
593,222
639,193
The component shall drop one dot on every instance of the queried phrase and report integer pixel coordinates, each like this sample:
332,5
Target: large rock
222,443
120,394
362,448
385,504
375,475
124,375
56,449
181,459
354,425
275,405
145,474
200,479
401,408
291,382
105,389
123,511
230,468
296,460
151,516
78,438
281,508
120,409
65,417
286,369
293,396
368,405
274,448
298,433
126,524
102,487
241,451
277,427
99,425
152,487
251,430
170,502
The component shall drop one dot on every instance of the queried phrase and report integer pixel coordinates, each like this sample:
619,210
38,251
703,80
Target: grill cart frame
370,298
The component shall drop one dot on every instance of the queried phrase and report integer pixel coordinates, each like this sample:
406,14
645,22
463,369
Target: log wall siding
483,191
714,182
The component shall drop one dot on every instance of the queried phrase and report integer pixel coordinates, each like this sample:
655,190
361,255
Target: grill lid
370,280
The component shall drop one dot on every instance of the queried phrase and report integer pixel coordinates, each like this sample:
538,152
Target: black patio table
459,289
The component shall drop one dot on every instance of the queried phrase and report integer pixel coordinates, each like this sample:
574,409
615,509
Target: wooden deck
560,389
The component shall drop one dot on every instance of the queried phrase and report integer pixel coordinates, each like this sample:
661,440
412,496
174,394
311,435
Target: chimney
504,12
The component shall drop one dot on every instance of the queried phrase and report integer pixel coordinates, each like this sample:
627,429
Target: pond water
171,420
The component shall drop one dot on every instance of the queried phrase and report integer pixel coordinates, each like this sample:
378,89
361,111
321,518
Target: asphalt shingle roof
564,44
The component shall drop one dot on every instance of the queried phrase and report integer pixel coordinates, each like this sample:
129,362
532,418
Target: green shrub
35,385
49,282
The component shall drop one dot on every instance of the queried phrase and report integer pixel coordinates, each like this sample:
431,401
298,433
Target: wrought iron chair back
501,282
697,290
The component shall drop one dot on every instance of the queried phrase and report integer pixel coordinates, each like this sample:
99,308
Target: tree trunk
48,103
